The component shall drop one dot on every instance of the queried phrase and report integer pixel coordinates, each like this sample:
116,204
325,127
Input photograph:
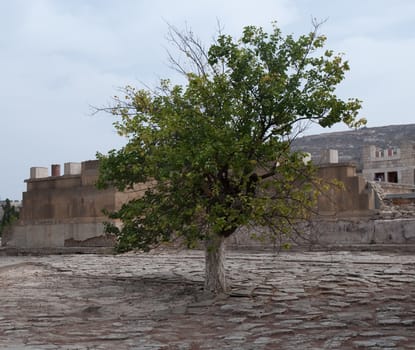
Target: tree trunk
215,277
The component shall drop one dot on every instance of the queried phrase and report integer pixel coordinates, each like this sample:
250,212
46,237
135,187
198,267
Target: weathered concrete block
343,232
38,172
72,168
81,231
409,230
330,156
53,235
35,236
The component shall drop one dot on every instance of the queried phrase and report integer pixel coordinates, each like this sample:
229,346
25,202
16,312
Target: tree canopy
10,215
215,151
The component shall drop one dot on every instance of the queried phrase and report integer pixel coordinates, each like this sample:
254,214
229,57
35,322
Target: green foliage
216,151
10,215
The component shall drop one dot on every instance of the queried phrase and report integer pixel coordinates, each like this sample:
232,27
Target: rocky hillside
349,143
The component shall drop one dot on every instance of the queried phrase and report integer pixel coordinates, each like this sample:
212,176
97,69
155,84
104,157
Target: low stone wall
57,235
381,231
336,233
341,233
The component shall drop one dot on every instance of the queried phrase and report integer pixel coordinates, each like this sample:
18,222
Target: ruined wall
356,231
345,233
65,210
56,199
351,197
348,218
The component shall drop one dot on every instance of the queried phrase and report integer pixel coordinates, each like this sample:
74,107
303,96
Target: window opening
393,176
379,176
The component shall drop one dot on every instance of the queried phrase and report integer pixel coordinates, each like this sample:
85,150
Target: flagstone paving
315,300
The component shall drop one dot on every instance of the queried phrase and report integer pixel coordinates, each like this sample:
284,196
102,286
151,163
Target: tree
10,215
216,150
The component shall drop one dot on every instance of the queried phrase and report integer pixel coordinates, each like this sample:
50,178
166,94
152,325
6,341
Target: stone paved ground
289,301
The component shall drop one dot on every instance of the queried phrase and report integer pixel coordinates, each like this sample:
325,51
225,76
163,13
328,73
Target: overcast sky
58,57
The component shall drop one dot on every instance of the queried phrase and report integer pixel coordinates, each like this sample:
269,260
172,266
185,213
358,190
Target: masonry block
72,168
39,172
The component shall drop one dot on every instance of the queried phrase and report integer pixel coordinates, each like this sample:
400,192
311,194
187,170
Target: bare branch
192,47
317,23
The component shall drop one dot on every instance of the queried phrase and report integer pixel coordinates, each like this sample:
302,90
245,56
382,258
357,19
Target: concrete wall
351,197
355,231
59,235
340,233
392,188
65,210
66,198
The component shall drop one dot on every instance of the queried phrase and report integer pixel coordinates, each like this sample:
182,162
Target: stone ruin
61,211
64,211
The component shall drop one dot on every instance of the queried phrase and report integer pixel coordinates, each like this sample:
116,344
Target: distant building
350,143
391,165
